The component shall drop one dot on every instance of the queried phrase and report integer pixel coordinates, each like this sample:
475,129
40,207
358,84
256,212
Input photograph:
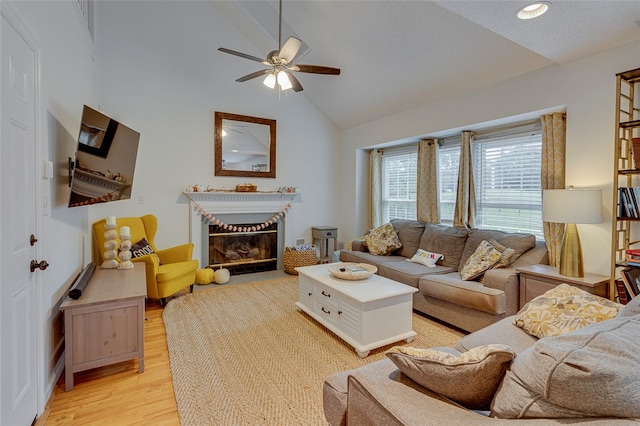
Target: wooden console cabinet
106,324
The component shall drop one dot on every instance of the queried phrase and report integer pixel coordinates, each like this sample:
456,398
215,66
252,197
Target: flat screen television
105,160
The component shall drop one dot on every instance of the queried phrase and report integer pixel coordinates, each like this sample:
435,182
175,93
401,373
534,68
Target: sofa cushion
502,332
409,273
591,372
382,240
470,378
366,257
425,258
446,240
563,309
520,243
485,257
409,232
471,294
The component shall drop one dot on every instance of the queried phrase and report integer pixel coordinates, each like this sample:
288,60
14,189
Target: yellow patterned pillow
483,259
382,240
470,378
563,309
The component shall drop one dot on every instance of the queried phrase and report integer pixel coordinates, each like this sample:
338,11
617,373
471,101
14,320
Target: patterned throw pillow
507,254
563,309
426,258
141,248
382,240
470,378
484,258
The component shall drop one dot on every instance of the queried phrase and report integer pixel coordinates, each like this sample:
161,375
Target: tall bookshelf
625,230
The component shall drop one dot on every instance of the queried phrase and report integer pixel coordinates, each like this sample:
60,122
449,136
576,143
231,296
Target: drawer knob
339,312
326,294
310,294
325,311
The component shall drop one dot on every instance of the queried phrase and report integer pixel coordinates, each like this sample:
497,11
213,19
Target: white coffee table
367,314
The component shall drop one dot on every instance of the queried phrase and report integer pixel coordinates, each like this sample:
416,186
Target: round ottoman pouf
204,276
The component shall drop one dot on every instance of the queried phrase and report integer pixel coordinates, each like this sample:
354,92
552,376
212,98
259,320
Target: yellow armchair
168,271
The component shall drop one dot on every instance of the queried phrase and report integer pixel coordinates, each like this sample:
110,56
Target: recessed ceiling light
533,10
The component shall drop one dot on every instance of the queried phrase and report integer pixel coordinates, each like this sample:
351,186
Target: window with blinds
399,183
448,165
507,182
507,167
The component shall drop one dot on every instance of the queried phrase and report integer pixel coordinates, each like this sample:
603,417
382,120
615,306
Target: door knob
32,240
42,265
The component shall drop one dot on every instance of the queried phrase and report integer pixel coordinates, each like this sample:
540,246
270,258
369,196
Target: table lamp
571,206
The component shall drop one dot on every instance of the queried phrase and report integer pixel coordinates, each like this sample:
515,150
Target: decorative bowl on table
352,271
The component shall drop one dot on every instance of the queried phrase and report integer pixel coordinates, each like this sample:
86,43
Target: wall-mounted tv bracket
72,165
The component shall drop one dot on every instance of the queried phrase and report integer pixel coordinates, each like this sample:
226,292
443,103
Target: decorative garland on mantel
234,228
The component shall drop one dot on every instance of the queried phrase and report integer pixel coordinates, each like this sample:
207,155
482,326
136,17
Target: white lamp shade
572,205
283,81
270,81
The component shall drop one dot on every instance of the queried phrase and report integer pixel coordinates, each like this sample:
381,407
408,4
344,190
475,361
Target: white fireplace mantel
220,203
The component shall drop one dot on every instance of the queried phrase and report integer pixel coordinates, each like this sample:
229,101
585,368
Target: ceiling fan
283,62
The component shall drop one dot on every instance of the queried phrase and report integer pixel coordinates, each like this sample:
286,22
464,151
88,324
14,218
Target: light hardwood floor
118,394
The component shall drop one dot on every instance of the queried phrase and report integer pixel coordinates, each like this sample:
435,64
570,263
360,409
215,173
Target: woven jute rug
243,355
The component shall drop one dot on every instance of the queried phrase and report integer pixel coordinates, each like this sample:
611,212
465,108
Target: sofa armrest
507,280
358,245
383,395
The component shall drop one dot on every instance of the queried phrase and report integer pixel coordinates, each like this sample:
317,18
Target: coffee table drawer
327,310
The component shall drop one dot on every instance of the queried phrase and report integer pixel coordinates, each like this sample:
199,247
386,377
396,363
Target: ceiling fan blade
253,75
295,84
242,55
315,69
304,49
289,50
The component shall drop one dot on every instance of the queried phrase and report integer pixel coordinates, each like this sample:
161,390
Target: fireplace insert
243,252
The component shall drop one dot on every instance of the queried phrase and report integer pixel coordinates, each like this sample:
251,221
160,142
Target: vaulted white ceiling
396,55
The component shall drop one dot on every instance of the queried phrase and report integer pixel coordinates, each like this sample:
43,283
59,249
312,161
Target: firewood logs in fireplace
239,250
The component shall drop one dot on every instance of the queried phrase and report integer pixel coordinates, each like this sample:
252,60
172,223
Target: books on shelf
629,202
623,294
633,257
631,280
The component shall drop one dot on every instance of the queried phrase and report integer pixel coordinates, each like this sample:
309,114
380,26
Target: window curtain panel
465,210
375,186
427,206
553,175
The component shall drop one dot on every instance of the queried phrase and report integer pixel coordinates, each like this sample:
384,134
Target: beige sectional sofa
590,375
443,294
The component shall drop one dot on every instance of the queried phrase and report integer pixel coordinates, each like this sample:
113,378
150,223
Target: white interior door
18,390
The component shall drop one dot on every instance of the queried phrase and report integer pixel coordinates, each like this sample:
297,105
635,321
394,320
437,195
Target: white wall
585,87
162,75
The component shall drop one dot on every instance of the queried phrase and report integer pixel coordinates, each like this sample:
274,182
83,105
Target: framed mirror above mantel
244,146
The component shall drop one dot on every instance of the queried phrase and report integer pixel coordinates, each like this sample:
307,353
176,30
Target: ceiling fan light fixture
270,81
283,81
533,10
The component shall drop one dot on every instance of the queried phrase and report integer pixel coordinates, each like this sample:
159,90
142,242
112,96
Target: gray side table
323,234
